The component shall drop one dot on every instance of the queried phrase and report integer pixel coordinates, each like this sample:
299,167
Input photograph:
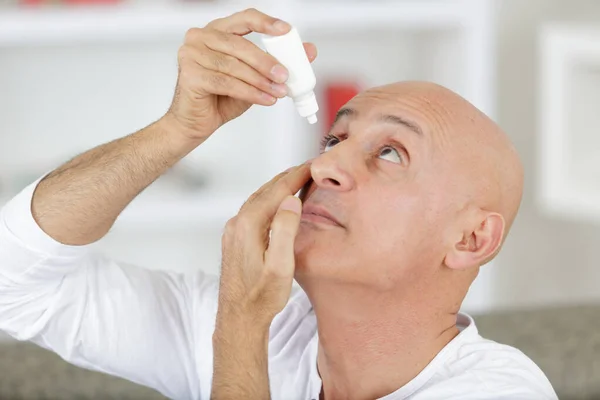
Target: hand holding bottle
221,73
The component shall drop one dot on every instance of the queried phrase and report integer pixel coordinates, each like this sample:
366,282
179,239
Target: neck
371,344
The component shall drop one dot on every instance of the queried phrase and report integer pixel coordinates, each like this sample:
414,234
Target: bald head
481,160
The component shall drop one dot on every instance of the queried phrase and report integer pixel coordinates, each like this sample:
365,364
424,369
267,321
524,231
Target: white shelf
134,21
191,210
569,166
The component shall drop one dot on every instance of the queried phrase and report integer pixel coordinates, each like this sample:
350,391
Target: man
414,190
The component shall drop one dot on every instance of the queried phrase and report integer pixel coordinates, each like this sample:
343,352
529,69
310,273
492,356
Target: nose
331,170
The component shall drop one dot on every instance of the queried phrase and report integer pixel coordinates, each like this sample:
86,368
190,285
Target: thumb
284,227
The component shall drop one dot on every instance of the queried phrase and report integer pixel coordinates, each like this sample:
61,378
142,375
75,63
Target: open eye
390,154
328,142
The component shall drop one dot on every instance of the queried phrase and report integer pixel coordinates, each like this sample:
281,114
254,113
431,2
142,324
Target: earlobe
479,244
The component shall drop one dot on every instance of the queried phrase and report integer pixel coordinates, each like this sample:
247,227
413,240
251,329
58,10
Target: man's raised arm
221,75
146,326
78,203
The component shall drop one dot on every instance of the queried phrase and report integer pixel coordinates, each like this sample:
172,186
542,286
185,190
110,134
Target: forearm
78,203
240,369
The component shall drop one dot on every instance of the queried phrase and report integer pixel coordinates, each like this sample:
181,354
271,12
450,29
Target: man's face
376,209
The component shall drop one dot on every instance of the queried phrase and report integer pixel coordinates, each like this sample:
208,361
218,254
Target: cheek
399,225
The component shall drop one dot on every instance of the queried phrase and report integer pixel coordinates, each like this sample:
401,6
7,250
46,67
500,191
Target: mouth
319,215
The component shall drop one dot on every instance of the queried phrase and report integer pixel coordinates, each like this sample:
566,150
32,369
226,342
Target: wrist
233,322
177,128
167,135
246,340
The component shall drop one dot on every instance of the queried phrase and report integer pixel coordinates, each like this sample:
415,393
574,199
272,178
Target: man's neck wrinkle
373,346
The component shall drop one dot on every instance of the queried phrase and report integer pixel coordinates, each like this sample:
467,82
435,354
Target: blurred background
75,74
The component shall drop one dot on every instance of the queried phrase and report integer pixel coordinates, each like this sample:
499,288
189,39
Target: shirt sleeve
100,314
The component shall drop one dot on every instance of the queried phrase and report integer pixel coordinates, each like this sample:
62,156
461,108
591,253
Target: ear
478,243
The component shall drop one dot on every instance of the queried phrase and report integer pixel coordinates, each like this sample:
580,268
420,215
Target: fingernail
281,26
279,89
268,98
279,73
292,204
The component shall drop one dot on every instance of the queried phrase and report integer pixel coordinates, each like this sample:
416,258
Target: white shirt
155,328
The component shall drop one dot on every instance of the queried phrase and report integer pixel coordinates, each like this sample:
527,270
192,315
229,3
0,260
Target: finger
266,186
311,51
221,84
258,236
250,20
260,211
279,256
249,53
235,68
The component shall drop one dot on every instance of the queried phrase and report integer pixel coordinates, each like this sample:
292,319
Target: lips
319,214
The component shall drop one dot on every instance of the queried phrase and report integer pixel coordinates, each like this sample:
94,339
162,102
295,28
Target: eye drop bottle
289,51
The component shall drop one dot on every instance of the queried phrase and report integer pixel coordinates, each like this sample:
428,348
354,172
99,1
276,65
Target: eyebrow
386,118
343,113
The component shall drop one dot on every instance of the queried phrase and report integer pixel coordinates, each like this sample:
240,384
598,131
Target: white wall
546,260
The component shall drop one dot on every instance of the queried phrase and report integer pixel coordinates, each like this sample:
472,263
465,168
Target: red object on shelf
336,95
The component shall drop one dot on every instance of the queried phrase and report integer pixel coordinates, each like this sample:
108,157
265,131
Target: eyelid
389,142
326,139
396,145
340,137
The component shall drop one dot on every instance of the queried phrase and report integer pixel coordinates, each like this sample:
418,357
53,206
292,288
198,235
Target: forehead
430,112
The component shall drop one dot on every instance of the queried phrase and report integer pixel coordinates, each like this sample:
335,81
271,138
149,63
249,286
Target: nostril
333,182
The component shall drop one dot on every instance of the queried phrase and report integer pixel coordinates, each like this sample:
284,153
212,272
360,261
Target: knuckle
186,75
258,18
183,53
233,43
244,223
234,65
216,22
192,35
218,80
251,12
221,63
230,225
273,271
269,272
225,37
229,231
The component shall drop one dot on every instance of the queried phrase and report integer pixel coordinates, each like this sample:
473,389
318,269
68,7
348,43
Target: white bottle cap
307,106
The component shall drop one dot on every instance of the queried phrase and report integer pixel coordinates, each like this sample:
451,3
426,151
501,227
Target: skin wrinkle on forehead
487,167
413,105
